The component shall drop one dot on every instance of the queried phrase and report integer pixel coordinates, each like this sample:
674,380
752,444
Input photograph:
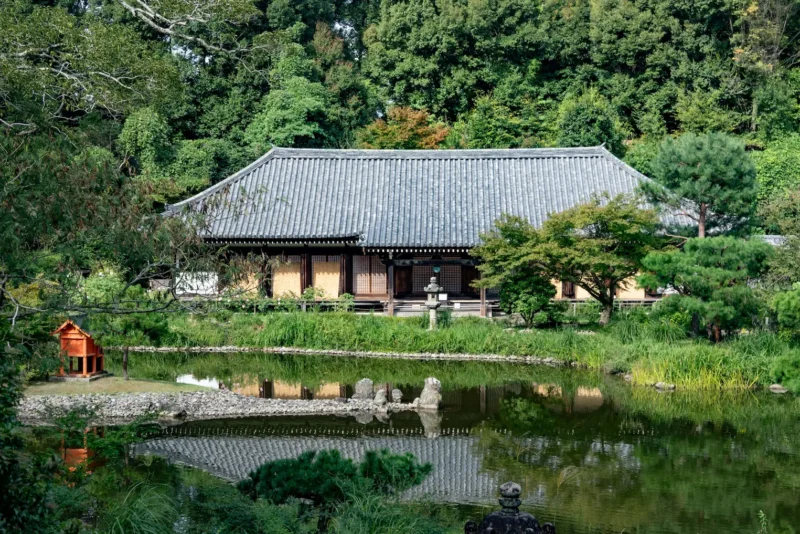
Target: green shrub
288,518
787,310
786,371
390,473
322,477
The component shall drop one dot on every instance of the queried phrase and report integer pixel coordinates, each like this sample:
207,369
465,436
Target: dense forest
175,95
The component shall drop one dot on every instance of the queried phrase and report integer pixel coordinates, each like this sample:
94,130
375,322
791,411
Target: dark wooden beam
411,263
307,273
390,287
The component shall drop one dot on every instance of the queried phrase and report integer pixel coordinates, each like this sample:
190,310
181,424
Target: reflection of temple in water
450,440
481,399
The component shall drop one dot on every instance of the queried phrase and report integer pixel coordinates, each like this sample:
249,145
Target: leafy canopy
589,120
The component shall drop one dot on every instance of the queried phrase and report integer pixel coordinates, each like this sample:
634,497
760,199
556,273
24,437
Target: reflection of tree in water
647,462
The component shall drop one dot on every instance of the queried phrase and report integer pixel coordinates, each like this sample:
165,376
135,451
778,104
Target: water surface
591,453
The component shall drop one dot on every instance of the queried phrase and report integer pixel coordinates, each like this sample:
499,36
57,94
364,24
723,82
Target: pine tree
708,178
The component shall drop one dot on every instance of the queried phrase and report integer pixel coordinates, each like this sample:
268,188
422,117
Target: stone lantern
509,520
433,289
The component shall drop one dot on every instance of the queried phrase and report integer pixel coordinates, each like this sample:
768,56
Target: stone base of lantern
79,378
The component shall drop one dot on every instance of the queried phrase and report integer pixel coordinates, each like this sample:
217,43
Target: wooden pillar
482,391
307,273
483,302
267,276
390,286
348,274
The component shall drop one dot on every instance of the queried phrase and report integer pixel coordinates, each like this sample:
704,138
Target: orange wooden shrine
85,357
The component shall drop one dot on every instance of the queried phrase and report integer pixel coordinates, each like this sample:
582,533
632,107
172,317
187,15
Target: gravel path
192,405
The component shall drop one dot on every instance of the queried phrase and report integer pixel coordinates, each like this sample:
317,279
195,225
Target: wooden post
482,391
483,302
308,273
348,274
390,285
125,363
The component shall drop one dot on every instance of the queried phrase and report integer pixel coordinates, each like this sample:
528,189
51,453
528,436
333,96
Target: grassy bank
648,355
113,384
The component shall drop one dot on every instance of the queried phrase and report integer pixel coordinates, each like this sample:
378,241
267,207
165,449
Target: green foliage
324,477
291,115
786,371
778,108
786,305
527,292
700,111
116,322
143,509
641,154
713,171
146,136
712,278
781,215
490,124
392,474
778,167
368,513
589,120
635,328
23,482
57,66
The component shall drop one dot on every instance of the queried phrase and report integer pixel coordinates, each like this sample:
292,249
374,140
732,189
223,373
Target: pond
591,453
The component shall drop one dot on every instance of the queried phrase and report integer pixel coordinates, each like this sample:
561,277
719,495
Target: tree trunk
695,324
754,115
125,363
605,313
701,220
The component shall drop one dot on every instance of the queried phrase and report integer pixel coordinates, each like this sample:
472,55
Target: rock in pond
431,396
777,388
397,395
363,390
380,397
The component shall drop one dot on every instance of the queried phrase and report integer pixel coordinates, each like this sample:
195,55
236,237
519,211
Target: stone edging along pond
422,356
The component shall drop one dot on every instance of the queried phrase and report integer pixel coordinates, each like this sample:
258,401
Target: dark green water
591,453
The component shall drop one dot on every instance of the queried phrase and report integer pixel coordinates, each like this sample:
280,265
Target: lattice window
449,277
320,258
369,275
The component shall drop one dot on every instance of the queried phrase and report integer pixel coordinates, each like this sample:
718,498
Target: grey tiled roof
457,474
402,198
